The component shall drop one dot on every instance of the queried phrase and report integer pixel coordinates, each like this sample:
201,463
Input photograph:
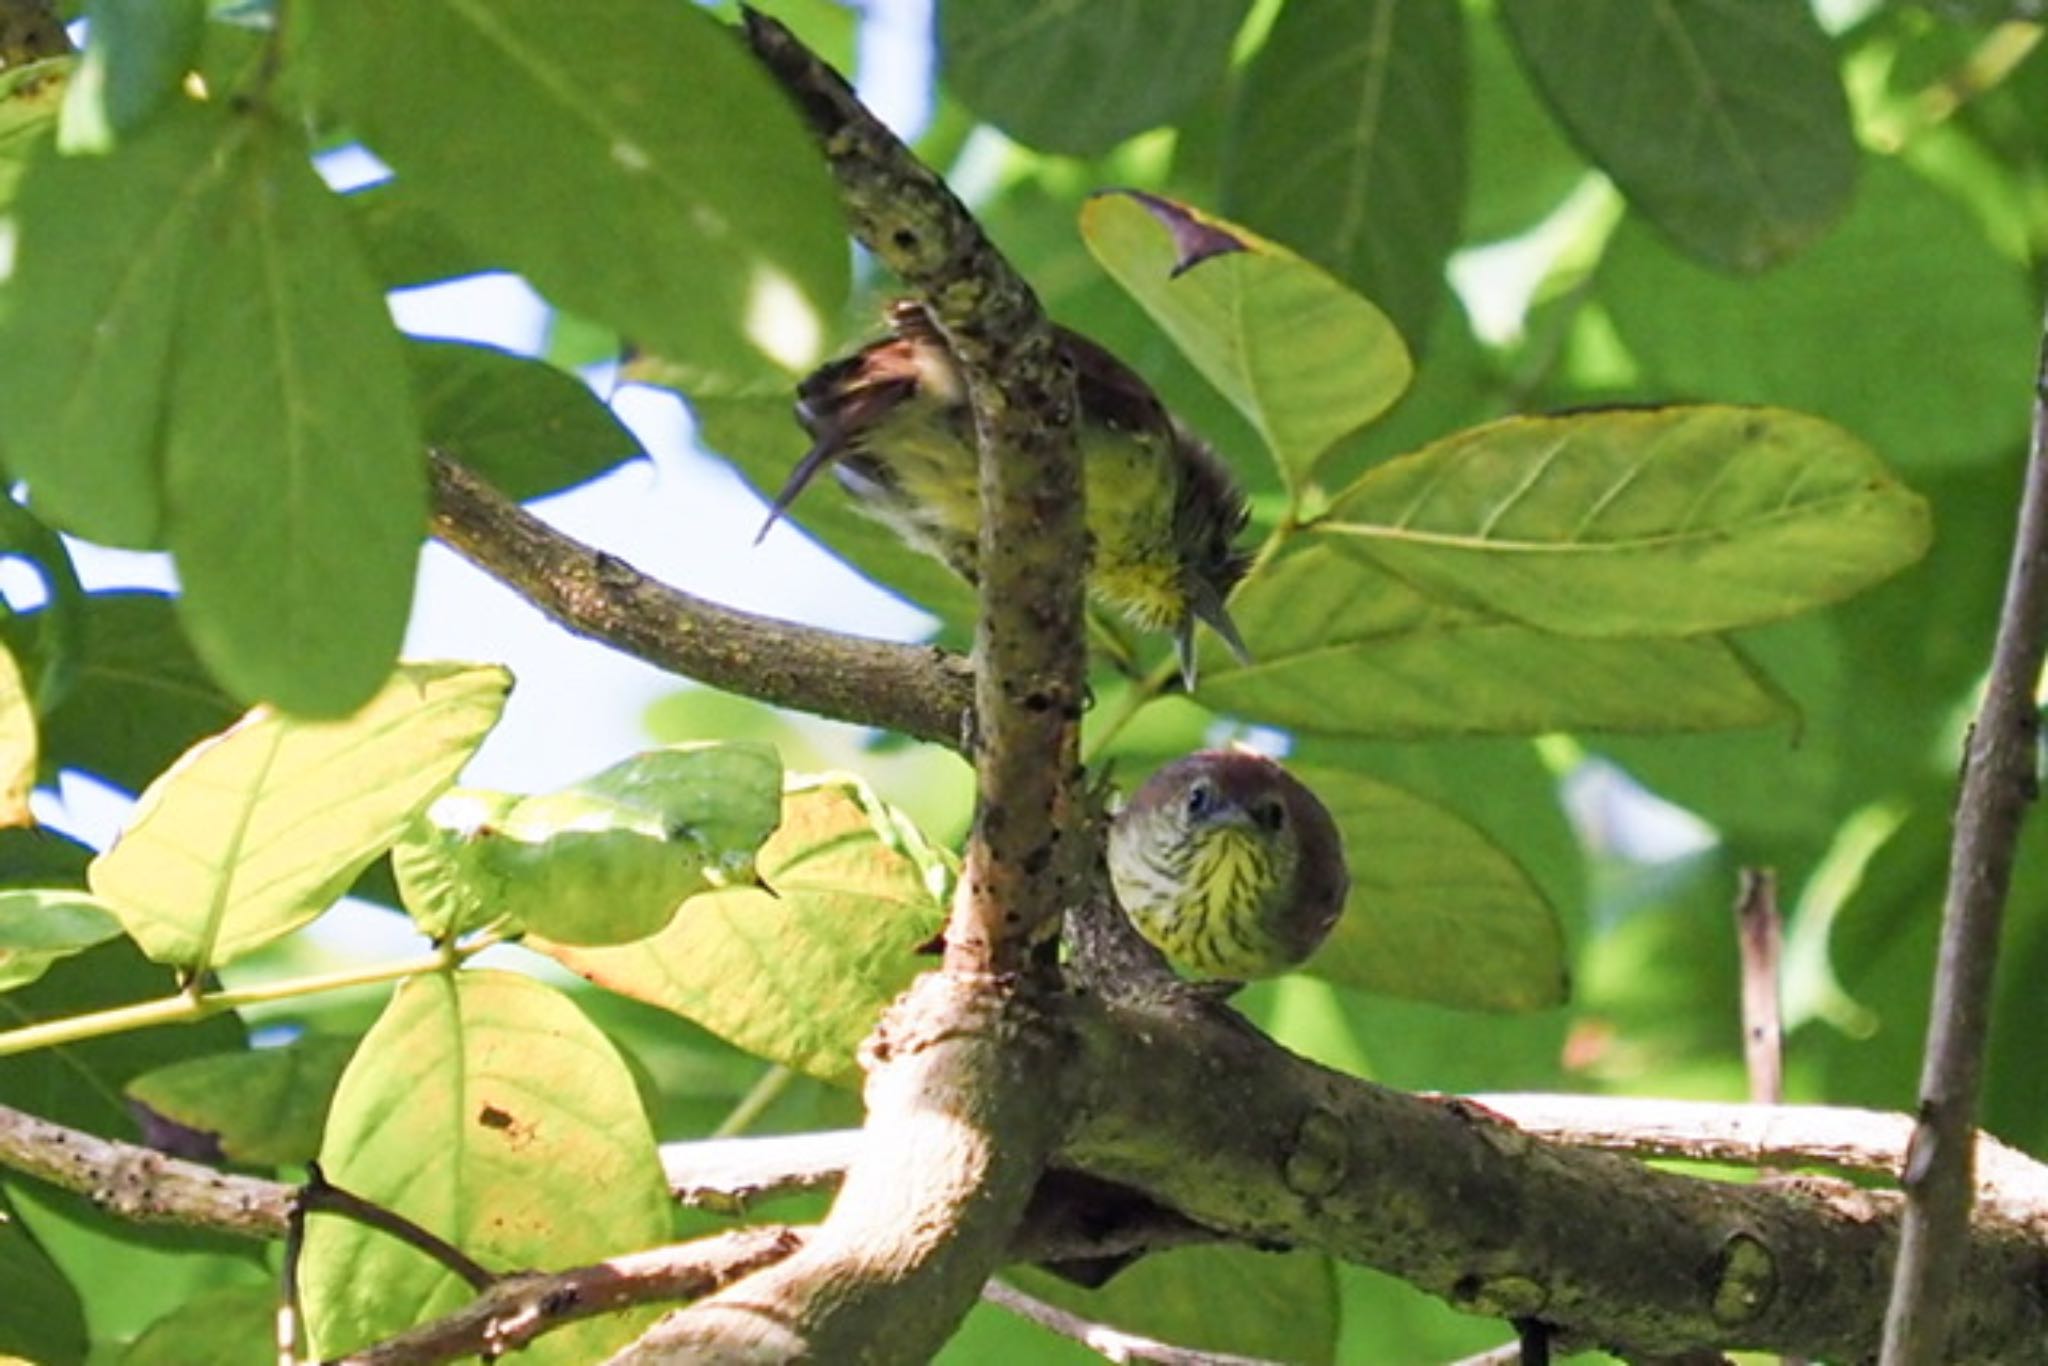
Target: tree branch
917,690
1112,1344
2000,779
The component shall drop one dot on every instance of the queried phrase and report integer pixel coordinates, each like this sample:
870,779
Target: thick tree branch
917,690
1030,659
2000,779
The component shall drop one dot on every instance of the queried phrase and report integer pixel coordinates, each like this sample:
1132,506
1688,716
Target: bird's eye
1201,799
1270,815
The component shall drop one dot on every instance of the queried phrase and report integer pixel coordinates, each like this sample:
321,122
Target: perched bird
1228,865
1163,510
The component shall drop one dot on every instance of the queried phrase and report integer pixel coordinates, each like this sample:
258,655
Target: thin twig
1760,939
917,690
1111,1344
321,1196
2000,780
518,1309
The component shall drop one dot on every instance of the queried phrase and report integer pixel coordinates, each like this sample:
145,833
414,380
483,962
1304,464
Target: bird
1163,510
1228,865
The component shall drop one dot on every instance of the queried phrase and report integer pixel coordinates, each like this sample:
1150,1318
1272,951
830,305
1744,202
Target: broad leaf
262,1106
138,696
1752,341
41,1318
30,96
255,832
1438,911
45,642
605,861
230,1326
1638,522
37,928
1305,359
1347,142
798,970
524,425
638,165
291,455
17,743
405,242
1079,79
1342,647
87,317
1724,121
137,53
484,1107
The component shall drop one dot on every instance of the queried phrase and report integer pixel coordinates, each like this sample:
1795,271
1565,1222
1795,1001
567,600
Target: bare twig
321,1196
2000,779
1760,937
518,1309
917,690
1111,1344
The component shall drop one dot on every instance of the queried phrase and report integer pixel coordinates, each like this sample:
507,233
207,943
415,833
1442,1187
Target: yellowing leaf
257,830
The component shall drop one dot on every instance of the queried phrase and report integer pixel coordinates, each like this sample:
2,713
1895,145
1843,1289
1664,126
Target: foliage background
1878,190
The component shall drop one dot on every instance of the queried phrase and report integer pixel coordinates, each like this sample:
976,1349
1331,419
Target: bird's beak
1203,603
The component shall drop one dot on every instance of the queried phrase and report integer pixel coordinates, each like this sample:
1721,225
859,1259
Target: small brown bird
1229,866
1163,510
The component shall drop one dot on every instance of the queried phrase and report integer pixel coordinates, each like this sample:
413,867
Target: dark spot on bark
1038,860
903,239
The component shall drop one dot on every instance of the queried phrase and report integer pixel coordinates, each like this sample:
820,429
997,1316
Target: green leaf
1724,121
1521,165
1305,359
484,1107
41,1318
1638,522
1752,341
1079,79
36,856
523,425
645,126
137,53
262,1106
1347,142
255,832
30,97
1343,647
17,744
291,456
799,971
606,861
138,698
231,1326
88,315
1438,911
763,442
45,642
406,243
38,927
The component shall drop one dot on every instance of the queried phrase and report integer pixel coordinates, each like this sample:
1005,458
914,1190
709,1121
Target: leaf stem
190,1006
766,1090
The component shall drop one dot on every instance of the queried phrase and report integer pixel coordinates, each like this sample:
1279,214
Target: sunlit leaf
605,861
264,1106
1724,121
17,744
1638,522
484,1107
1342,647
257,831
1347,142
645,126
1438,911
798,970
1079,79
231,1326
1303,357
39,927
